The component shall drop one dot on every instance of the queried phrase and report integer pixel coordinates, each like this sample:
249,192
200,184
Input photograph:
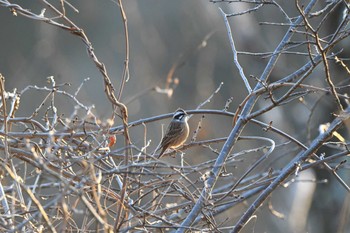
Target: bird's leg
177,151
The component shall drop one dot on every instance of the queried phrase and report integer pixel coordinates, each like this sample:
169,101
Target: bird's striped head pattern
179,115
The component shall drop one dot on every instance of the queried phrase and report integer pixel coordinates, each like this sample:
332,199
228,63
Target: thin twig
234,51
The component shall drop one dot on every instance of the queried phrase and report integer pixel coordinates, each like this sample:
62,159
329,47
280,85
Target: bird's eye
179,116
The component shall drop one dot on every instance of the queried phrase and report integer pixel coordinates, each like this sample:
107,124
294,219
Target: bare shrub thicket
78,173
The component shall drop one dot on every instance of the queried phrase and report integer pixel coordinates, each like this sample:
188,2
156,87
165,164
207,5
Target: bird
176,133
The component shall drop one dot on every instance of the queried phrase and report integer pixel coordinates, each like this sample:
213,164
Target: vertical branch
3,99
126,74
125,77
234,51
7,210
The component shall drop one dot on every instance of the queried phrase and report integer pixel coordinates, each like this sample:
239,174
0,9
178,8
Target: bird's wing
173,129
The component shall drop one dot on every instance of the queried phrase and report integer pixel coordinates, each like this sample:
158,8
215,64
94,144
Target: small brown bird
176,133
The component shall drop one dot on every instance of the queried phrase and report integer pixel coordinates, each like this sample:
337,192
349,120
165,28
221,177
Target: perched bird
176,133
